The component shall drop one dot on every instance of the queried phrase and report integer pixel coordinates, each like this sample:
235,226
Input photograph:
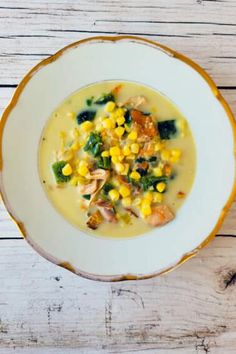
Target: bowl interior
131,60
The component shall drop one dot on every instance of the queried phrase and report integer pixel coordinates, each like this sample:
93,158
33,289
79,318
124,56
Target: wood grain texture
48,307
47,310
204,30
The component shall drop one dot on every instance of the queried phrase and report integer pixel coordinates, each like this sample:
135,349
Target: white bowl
118,58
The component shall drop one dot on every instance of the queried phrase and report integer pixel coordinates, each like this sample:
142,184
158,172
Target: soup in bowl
117,158
117,154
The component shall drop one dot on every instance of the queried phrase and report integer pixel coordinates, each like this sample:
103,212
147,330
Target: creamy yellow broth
66,197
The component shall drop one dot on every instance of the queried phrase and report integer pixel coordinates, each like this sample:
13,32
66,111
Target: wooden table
45,309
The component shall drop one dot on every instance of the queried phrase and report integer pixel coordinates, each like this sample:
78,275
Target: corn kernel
119,167
114,195
121,157
135,175
126,169
74,181
133,135
157,197
175,155
176,152
165,155
157,171
160,187
148,196
75,146
119,112
126,150
146,209
83,168
158,146
70,115
126,202
87,126
119,131
108,123
124,191
135,148
120,120
115,151
115,159
105,153
131,157
67,170
83,171
174,159
110,106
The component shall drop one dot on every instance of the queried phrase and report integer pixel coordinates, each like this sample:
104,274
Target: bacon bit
95,220
143,165
167,170
181,195
131,212
106,210
135,101
161,215
144,124
116,89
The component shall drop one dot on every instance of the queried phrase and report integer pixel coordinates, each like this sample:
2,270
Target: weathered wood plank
190,310
189,27
45,309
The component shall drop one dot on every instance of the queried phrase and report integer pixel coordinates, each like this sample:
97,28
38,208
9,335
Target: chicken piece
123,180
89,188
148,150
135,101
161,215
145,125
94,220
99,174
106,210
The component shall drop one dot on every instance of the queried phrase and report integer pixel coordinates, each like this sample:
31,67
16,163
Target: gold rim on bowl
12,104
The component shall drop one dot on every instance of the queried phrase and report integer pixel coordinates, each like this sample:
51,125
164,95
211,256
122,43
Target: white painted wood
190,309
204,30
45,309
